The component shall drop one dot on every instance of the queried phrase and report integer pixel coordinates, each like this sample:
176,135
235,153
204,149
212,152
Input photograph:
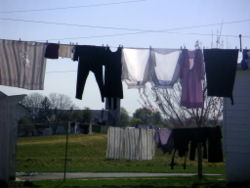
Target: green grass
87,154
131,182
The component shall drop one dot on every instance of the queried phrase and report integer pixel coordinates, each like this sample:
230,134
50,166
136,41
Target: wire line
72,7
124,28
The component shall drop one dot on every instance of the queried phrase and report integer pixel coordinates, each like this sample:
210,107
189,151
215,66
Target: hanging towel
52,51
135,63
166,69
65,51
22,64
191,74
220,67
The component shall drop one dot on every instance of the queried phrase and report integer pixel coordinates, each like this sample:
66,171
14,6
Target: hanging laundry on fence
135,64
186,141
165,70
52,51
164,140
191,75
220,67
22,64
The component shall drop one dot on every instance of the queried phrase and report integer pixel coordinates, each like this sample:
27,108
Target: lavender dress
191,73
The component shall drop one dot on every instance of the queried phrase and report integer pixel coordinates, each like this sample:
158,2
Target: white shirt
165,67
135,63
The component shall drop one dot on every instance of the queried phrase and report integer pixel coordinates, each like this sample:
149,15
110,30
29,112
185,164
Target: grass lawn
165,182
86,153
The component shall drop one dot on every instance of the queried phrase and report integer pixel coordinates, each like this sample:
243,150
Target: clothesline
106,45
23,65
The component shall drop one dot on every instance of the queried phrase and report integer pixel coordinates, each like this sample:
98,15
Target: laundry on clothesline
136,66
93,58
221,65
165,67
22,64
164,140
186,141
245,62
191,74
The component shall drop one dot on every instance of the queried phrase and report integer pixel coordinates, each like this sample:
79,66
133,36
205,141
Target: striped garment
115,143
22,64
130,143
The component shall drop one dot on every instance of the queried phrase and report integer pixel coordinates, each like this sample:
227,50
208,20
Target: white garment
115,144
65,51
135,63
165,67
22,64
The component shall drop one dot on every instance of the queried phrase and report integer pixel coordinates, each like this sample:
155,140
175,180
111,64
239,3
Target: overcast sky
115,22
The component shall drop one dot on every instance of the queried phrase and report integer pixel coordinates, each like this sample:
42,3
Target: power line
72,7
124,28
134,33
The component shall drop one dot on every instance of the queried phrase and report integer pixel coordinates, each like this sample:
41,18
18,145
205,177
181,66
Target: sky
130,23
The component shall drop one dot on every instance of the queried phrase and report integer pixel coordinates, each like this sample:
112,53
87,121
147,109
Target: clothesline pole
199,158
66,152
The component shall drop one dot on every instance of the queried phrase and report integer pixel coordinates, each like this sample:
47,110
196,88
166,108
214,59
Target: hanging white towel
165,67
22,64
135,63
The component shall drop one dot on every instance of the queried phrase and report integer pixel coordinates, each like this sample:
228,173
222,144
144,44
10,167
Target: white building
237,130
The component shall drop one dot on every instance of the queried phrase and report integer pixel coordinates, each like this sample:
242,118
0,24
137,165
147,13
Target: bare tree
60,101
33,101
167,102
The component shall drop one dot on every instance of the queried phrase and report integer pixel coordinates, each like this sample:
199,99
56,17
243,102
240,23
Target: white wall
237,130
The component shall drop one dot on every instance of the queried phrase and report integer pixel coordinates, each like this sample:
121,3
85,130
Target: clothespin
240,42
197,45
